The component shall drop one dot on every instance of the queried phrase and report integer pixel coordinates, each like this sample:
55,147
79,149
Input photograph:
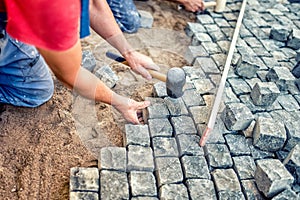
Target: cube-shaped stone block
268,134
189,145
195,167
165,147
193,52
160,127
221,178
282,76
294,41
107,75
183,125
114,185
272,177
168,170
84,179
237,144
113,158
140,158
201,189
146,19
286,194
244,166
142,183
176,107
264,93
192,28
280,33
84,196
292,162
88,60
250,189
160,89
173,191
136,135
293,135
237,116
218,156
247,68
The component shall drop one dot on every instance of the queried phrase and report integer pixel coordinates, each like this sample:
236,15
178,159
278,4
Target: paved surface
253,151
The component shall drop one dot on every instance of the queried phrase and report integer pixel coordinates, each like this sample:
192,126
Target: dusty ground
39,146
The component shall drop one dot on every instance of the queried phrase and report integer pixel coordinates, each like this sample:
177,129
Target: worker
37,34
128,18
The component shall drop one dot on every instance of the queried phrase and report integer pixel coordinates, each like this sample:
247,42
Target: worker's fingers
142,71
153,66
142,105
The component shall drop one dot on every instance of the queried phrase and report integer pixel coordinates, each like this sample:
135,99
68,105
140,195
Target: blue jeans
126,15
25,79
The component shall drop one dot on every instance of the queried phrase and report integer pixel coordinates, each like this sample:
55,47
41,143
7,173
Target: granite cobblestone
253,150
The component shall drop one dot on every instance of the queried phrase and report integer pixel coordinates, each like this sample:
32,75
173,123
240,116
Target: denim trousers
25,79
126,15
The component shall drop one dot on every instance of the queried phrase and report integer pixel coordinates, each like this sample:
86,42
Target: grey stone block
211,48
280,33
140,158
200,114
164,147
183,125
250,190
193,52
286,194
207,64
137,135
84,179
205,19
296,69
221,178
229,96
258,154
106,74
292,162
247,68
264,93
244,166
237,195
160,90
294,41
189,145
272,177
113,158
282,76
192,28
88,60
157,110
114,185
269,135
84,196
173,191
293,135
195,167
144,198
193,73
288,102
192,98
237,116
239,86
176,107
146,19
168,170
201,189
160,127
198,38
216,134
204,86
218,155
142,183
237,145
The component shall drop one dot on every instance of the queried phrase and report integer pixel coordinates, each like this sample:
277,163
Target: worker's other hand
130,109
140,62
192,5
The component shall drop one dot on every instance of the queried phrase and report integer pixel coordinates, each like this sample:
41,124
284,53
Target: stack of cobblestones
253,150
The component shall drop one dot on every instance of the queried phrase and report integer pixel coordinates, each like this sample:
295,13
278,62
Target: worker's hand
192,5
140,62
129,108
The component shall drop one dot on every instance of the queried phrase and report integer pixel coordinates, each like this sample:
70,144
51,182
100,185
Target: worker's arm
103,22
66,67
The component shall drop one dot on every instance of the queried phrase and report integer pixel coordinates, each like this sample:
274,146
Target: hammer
175,78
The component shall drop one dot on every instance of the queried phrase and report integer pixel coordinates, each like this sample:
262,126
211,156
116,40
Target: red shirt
49,24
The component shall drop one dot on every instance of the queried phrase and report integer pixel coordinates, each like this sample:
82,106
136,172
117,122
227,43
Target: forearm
103,23
66,67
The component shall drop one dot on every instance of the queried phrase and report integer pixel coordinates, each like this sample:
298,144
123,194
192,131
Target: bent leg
25,79
126,15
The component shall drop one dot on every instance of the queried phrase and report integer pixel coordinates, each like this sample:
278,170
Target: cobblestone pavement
253,151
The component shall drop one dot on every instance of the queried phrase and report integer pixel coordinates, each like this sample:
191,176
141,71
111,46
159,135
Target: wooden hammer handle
120,59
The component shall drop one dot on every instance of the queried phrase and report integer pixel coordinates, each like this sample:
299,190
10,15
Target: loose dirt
40,145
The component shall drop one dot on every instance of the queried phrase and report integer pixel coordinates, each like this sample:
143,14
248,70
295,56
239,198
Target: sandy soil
39,146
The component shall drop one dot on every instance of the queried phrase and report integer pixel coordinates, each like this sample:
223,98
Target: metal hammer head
175,82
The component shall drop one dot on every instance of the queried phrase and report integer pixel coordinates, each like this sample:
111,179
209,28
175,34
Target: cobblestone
240,162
